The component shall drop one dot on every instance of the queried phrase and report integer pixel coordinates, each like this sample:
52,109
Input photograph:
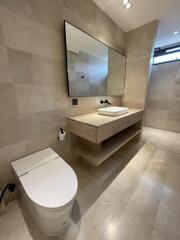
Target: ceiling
144,11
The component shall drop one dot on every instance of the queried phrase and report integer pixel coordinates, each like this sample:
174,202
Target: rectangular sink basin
112,111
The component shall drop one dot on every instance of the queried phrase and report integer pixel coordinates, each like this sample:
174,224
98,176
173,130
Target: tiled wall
33,91
163,98
139,46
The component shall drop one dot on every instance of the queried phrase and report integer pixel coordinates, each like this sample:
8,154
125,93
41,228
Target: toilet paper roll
62,136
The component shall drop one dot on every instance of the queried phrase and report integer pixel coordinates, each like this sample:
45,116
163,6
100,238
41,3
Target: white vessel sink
112,111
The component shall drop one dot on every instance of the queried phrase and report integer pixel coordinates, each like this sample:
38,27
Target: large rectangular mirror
93,68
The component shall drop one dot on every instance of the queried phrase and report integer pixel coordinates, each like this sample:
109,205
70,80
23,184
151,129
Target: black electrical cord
10,187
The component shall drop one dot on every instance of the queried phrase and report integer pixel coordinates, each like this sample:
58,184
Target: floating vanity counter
104,134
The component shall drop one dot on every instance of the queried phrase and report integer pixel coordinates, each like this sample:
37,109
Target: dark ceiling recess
163,51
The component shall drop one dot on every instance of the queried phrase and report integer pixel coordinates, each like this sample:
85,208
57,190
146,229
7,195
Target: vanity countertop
97,120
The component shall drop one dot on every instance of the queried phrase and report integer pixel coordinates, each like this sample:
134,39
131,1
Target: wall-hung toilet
48,186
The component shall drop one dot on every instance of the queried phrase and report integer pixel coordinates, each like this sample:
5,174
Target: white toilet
48,186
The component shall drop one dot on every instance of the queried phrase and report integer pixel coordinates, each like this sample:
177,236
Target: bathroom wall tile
164,94
48,72
5,76
29,126
48,13
1,36
8,106
173,126
19,6
78,21
8,118
23,34
159,114
40,142
157,104
178,72
28,98
9,131
38,104
139,45
79,8
51,121
139,41
166,75
174,115
176,90
21,66
105,28
134,98
160,95
137,73
8,154
154,122
52,98
120,39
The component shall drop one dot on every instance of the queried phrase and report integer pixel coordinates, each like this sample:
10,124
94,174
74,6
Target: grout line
168,150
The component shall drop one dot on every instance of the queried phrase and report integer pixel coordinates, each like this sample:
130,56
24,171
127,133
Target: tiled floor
122,199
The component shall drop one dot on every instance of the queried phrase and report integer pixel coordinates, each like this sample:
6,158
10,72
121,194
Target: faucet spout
106,102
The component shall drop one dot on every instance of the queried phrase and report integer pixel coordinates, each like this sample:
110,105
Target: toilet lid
51,185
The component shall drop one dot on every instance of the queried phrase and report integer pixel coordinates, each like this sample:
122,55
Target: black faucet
105,101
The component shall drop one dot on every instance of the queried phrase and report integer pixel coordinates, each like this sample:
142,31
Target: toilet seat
49,183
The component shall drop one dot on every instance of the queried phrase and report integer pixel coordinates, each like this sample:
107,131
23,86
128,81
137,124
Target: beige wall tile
139,46
48,13
36,105
28,98
20,66
23,34
1,36
164,96
8,104
48,72
5,76
79,8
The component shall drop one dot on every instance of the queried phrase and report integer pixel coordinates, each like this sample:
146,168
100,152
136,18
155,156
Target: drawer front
85,131
110,129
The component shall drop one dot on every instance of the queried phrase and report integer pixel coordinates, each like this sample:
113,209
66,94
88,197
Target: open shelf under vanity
101,136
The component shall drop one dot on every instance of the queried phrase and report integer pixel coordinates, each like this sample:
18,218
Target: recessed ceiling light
128,5
125,2
176,32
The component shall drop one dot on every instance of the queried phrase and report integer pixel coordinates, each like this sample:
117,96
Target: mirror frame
66,60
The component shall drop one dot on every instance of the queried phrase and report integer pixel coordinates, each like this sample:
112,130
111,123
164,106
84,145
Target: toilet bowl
48,186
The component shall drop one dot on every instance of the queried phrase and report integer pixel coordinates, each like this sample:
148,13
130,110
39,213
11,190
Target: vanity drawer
108,130
83,130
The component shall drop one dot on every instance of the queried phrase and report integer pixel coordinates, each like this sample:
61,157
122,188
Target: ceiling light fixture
125,2
176,32
128,5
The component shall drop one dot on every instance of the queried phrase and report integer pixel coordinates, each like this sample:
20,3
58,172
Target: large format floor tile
134,195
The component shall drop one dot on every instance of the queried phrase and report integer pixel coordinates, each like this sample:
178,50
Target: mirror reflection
94,69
